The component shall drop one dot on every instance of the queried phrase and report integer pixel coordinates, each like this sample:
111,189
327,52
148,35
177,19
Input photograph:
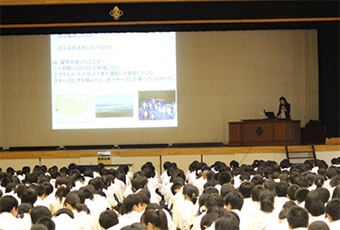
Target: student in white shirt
82,217
265,218
108,219
8,214
333,213
184,213
297,218
64,219
315,207
132,210
154,219
233,202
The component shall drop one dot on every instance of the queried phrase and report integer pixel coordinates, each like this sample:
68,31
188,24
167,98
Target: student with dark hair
75,202
29,195
207,220
107,219
64,219
336,192
233,201
318,225
57,201
8,214
207,202
265,217
184,212
253,206
154,219
333,213
38,212
48,222
257,180
41,194
300,196
132,210
245,189
135,226
323,194
291,190
284,211
224,177
315,207
297,217
226,188
227,221
24,213
281,189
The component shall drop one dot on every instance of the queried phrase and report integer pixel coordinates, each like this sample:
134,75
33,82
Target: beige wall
222,77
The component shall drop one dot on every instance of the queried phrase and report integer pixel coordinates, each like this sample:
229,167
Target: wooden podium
261,132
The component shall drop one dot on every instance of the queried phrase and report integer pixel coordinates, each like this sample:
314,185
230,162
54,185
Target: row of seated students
263,195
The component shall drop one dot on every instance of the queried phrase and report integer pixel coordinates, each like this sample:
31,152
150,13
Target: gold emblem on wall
116,13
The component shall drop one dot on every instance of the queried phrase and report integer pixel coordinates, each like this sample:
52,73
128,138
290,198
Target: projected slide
113,80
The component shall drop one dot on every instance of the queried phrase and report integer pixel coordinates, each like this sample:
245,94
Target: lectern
261,132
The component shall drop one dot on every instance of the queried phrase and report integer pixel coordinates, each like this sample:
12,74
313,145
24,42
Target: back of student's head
107,219
285,163
38,212
255,192
301,194
235,199
267,201
139,182
226,188
224,177
228,221
154,218
40,189
324,194
10,187
145,196
134,226
318,225
97,183
24,208
7,203
65,211
291,190
314,204
47,221
257,180
319,181
129,202
301,181
214,200
245,188
281,189
192,192
336,192
29,195
208,219
149,171
297,217
286,206
73,199
333,209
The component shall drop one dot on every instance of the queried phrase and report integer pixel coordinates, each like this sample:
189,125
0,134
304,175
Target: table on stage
259,132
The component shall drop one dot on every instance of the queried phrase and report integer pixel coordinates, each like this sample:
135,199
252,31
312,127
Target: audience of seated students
262,195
